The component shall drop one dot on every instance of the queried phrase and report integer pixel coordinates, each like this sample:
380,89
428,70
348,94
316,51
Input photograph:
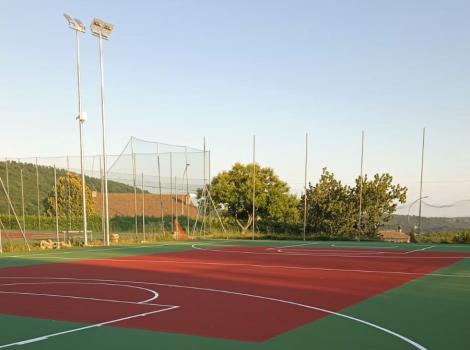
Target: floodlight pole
78,27
305,186
81,121
360,188
421,181
103,126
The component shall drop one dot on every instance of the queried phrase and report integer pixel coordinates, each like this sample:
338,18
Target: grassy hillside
430,225
46,185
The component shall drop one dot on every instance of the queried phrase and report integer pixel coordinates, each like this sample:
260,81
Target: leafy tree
330,207
69,184
380,198
333,208
233,191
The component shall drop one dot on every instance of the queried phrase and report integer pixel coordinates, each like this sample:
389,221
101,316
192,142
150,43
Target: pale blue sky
176,71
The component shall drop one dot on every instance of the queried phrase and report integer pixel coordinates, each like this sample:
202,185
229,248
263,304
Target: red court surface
240,293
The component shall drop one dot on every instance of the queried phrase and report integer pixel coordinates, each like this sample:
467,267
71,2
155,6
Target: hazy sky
176,71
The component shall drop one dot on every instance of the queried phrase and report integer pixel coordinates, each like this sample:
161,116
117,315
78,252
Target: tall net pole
361,181
69,204
14,213
161,197
204,189
134,183
176,210
210,179
171,192
37,192
56,206
421,182
22,198
305,186
187,200
8,190
103,222
254,185
143,207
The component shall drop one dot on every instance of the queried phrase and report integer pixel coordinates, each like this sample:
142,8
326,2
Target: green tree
380,198
69,197
331,207
233,191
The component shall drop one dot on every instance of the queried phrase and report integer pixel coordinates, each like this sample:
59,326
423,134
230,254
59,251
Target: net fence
149,185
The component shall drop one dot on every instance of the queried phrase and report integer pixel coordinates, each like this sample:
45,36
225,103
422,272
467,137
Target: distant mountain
46,185
429,224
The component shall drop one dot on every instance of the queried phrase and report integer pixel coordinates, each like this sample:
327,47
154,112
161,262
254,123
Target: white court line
154,293
189,262
400,256
370,324
419,250
45,337
41,254
42,338
92,250
364,246
318,252
296,245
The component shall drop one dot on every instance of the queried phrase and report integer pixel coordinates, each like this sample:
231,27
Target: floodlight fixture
101,29
75,23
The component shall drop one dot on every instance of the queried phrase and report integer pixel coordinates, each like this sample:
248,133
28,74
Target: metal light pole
102,30
360,187
79,27
421,181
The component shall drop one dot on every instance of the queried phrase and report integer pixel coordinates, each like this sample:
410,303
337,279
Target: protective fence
152,189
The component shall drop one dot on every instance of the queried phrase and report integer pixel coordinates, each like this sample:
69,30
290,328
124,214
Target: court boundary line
153,292
338,314
333,254
100,324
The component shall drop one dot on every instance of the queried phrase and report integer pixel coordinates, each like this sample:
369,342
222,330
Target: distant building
394,236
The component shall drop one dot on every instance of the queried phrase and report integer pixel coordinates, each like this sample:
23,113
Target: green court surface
431,310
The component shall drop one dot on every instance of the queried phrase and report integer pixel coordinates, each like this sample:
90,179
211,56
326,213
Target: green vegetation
233,191
69,197
46,185
332,207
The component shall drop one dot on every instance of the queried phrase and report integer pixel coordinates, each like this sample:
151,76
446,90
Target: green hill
430,224
46,185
